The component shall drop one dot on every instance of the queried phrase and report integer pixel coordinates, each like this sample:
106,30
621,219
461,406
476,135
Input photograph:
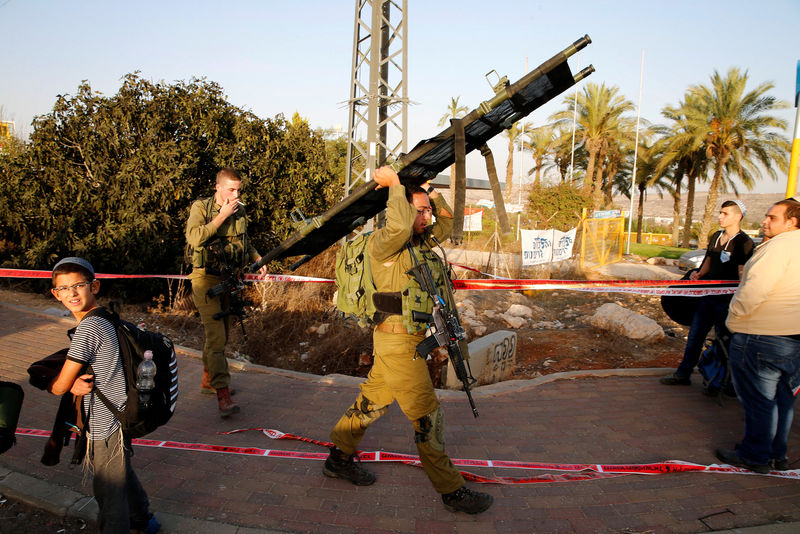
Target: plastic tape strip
571,472
646,287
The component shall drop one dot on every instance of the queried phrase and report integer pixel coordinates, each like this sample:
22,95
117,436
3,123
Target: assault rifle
447,330
232,284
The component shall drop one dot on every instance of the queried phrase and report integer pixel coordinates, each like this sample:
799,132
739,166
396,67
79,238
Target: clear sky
281,56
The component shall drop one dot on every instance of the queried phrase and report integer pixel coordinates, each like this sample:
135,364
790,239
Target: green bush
556,206
112,178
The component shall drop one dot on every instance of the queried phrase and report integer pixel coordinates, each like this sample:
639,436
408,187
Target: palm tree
683,148
514,134
600,110
541,142
617,159
562,153
740,139
648,178
454,111
675,168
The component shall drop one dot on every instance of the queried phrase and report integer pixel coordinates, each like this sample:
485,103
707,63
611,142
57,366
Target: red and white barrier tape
27,273
569,472
474,270
286,278
645,287
661,291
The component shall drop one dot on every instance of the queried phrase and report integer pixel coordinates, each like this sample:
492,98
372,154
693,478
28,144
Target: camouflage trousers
397,375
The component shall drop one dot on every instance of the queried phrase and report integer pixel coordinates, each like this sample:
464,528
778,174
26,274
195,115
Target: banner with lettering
473,219
562,244
537,246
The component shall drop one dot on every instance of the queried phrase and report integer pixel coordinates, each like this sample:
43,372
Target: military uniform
231,238
398,372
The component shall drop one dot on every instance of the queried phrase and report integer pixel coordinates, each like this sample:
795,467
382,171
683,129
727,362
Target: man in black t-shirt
728,250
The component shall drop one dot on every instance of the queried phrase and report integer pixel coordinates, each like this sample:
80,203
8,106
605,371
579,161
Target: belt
392,328
206,271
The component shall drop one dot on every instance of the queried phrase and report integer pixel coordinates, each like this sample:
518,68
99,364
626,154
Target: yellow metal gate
602,241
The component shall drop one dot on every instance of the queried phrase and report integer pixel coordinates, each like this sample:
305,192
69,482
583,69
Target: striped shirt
95,343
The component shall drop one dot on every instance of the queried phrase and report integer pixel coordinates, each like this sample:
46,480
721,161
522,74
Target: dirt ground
578,346
19,518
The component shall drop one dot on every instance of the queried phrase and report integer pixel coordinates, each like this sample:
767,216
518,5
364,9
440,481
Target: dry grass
283,328
281,325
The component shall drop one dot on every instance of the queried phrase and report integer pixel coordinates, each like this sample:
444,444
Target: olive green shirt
200,229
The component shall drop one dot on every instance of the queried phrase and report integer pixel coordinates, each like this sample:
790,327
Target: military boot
341,465
466,500
226,406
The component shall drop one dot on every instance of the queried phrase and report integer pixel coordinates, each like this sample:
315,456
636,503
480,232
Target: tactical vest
228,246
354,283
357,296
414,298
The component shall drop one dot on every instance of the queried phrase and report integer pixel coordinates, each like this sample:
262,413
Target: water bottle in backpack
145,382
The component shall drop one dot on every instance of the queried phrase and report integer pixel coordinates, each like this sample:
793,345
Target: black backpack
133,341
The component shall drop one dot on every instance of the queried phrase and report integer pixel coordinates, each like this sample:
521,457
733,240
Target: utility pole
378,105
635,155
794,160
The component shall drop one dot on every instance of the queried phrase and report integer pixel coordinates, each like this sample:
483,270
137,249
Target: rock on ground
519,310
615,318
514,322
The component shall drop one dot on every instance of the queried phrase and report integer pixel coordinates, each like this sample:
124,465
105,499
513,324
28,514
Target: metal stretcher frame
429,157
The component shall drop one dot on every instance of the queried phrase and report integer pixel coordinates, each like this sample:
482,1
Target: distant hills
654,206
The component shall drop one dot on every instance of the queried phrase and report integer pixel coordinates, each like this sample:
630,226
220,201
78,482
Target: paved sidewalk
610,419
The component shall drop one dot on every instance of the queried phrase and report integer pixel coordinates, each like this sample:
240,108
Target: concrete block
491,359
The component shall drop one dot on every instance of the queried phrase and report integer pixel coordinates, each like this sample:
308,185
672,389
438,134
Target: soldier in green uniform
398,372
216,232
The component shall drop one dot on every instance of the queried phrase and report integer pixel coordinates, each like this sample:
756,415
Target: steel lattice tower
378,109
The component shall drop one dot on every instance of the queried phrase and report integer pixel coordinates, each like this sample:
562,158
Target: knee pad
366,411
430,429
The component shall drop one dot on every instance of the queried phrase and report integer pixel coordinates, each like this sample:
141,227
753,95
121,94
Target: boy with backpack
123,503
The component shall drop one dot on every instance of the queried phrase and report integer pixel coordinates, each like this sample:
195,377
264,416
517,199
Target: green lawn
650,251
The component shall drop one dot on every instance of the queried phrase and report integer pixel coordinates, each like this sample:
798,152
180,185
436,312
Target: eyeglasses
425,210
60,289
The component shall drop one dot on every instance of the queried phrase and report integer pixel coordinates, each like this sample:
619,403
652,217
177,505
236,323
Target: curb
49,497
499,388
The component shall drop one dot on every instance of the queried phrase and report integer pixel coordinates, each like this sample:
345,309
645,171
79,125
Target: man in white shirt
765,347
